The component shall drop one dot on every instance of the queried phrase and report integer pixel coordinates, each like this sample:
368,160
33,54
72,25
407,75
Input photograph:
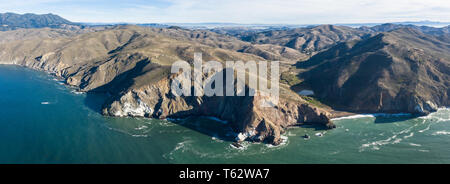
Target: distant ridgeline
388,68
12,21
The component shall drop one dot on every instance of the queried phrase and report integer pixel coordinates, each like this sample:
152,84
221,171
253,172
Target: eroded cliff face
132,64
244,114
403,71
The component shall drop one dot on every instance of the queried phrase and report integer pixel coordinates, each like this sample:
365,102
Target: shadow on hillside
231,108
316,127
393,119
207,126
126,79
95,101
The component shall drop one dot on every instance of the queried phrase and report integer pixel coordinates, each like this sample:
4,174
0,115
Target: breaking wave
394,139
441,133
372,116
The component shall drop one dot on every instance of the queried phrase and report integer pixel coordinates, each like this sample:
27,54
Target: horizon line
237,23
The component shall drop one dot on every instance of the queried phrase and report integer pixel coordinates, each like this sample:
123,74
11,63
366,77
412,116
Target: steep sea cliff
42,121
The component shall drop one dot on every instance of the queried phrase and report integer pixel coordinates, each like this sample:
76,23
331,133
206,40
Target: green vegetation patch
314,101
290,79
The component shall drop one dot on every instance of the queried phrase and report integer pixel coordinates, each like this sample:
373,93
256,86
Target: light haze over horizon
237,11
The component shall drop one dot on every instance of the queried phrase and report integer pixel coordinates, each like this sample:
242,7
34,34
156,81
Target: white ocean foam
408,136
181,145
427,128
375,145
284,141
416,145
141,127
438,114
358,116
243,146
334,153
138,135
77,92
354,117
442,119
45,103
126,133
216,138
441,133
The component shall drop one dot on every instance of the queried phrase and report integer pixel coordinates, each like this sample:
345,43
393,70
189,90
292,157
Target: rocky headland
380,69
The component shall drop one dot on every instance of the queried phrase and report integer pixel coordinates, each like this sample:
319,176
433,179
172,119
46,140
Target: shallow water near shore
42,121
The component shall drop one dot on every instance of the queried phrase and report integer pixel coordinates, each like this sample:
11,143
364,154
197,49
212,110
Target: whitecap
216,138
45,103
284,141
137,135
242,146
390,140
441,133
141,127
426,128
334,153
77,92
125,132
353,117
358,116
375,144
408,136
416,145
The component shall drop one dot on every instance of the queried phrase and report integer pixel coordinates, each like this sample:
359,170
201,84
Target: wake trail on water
442,115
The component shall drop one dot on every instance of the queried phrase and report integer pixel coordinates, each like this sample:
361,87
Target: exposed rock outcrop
132,65
244,114
309,40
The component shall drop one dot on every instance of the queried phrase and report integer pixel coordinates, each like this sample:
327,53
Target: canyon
350,70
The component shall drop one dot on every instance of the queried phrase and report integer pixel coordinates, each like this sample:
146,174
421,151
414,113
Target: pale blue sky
237,11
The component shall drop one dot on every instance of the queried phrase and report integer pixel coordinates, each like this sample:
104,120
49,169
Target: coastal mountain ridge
132,64
13,21
386,68
403,70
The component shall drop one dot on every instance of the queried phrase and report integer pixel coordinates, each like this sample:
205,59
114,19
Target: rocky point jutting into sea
132,65
356,70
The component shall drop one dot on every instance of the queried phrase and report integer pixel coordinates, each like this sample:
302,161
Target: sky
237,11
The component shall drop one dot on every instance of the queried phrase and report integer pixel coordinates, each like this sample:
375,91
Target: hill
12,21
404,70
309,41
132,65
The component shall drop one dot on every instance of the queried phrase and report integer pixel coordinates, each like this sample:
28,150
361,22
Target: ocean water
43,121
